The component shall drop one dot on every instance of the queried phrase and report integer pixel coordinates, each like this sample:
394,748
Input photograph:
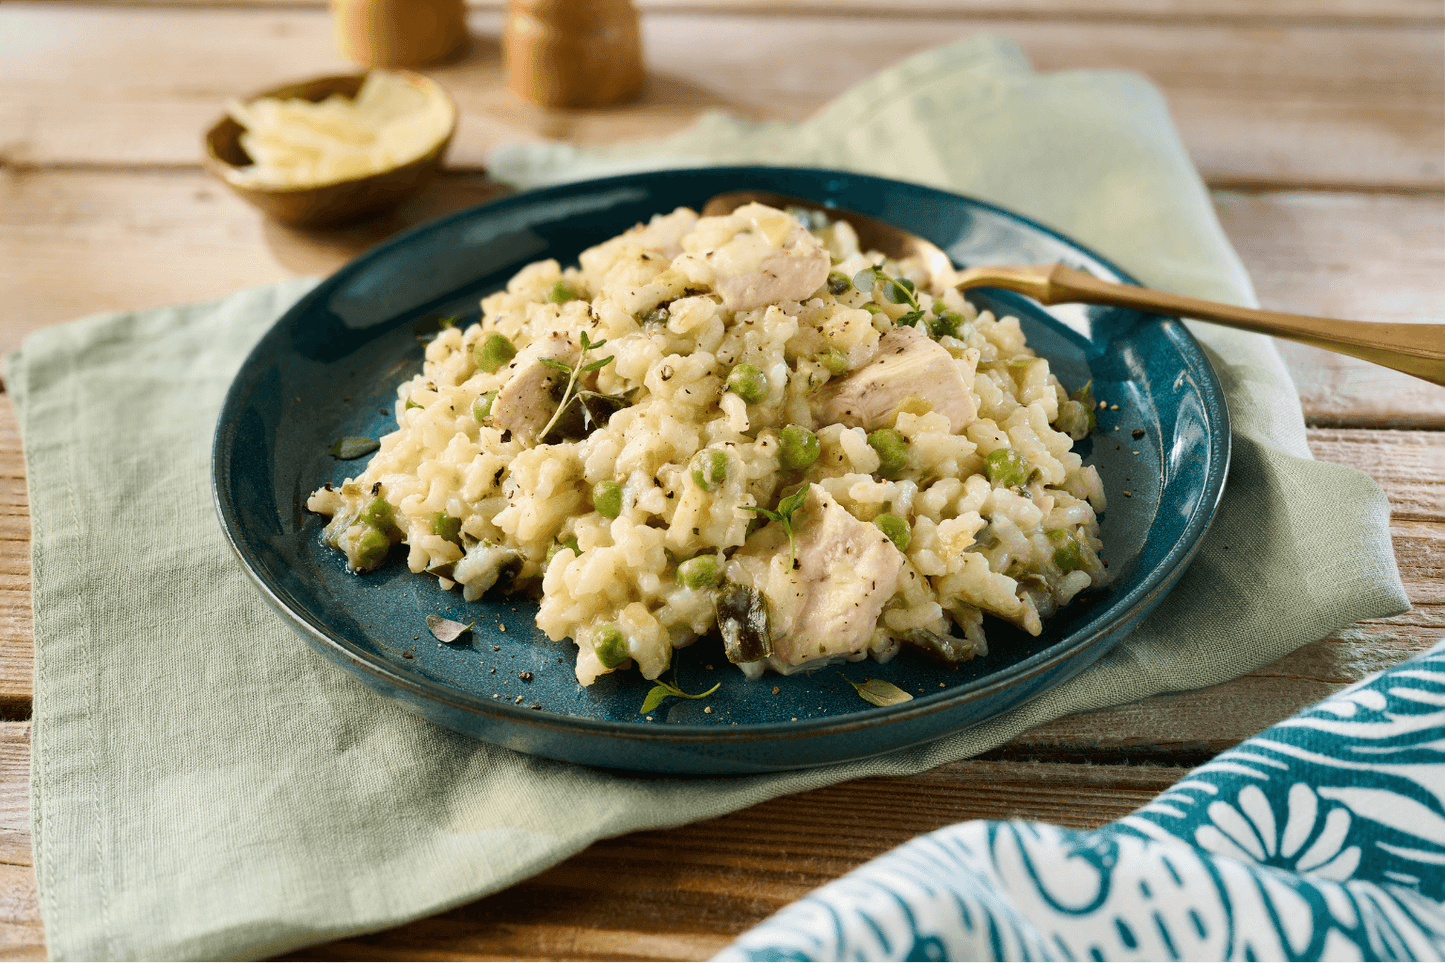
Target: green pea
371,548
562,292
698,573
482,407
494,352
379,514
1067,551
834,360
798,447
748,382
610,646
447,527
838,283
607,498
710,468
892,452
897,529
1007,467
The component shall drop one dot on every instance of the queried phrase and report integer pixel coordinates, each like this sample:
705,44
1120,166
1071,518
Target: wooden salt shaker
399,33
573,53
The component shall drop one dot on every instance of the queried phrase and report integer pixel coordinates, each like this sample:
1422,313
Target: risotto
741,424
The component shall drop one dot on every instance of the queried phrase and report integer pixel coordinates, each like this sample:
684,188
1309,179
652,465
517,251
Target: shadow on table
322,251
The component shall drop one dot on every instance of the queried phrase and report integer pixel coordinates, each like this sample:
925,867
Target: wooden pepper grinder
573,53
399,33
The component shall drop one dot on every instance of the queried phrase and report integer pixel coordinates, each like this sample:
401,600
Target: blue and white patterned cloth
1321,838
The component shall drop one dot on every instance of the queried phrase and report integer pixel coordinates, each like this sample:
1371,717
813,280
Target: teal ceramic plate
330,366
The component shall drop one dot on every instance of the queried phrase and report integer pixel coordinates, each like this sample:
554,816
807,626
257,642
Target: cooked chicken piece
756,255
909,364
527,398
826,604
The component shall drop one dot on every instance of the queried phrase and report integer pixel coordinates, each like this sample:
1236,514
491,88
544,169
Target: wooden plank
79,243
74,243
1290,104
17,628
1341,12
14,802
22,936
1304,251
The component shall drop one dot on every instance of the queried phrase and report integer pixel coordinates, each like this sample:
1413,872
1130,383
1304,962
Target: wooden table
1317,123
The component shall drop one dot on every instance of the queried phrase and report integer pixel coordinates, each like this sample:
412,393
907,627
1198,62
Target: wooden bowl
335,202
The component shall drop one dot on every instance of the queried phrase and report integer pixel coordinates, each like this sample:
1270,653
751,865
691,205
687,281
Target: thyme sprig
896,290
572,375
664,689
786,509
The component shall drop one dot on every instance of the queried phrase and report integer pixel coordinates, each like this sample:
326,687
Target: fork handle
1416,349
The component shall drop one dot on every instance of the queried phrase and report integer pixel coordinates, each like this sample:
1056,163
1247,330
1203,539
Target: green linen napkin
203,786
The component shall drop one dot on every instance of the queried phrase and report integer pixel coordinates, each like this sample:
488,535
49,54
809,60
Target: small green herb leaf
787,508
879,692
663,689
353,447
564,402
790,505
597,365
896,290
446,630
654,699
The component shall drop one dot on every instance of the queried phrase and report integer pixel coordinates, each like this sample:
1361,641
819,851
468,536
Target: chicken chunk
909,364
527,399
755,256
824,605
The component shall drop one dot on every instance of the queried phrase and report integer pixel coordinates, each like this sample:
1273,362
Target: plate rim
1123,614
